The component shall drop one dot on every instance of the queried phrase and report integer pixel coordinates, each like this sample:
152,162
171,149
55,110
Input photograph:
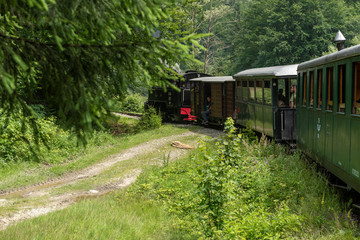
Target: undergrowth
19,143
150,119
238,188
133,103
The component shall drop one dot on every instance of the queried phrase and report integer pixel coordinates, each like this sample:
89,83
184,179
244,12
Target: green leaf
58,41
19,61
8,82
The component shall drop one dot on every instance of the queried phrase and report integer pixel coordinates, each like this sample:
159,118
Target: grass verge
233,188
106,217
239,189
28,173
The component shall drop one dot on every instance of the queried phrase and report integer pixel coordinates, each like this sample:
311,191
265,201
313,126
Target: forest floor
112,173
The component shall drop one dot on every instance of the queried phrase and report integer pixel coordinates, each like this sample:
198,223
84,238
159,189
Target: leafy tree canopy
73,54
277,32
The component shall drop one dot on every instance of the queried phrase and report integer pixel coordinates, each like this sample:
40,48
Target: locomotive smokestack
339,40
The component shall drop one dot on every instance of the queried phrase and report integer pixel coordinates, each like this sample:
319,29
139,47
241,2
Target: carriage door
223,100
276,115
186,98
207,93
284,117
197,105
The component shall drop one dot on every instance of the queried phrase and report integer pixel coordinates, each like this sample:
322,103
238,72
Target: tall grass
237,188
234,188
106,217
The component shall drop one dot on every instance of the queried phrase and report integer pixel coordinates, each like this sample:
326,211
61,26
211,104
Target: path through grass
103,172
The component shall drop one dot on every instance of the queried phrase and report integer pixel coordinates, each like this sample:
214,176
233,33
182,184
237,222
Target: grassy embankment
21,167
232,189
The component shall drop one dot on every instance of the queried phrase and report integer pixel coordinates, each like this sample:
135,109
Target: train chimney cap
339,37
339,40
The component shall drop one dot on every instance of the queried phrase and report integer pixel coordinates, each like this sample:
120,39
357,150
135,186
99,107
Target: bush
18,144
131,103
150,119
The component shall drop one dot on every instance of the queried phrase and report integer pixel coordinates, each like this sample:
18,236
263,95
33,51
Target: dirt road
101,178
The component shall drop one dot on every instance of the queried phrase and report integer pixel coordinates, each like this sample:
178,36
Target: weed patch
131,103
238,188
103,217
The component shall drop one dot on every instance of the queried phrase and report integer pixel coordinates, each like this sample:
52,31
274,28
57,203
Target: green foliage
269,32
214,18
133,103
101,146
237,189
121,125
18,143
150,119
76,55
103,217
279,32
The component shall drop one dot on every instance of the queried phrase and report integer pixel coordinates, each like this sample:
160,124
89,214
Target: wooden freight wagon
221,90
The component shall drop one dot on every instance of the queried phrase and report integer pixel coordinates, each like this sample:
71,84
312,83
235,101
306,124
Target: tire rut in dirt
108,162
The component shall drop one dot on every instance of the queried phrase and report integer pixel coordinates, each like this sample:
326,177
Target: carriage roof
275,71
345,53
218,79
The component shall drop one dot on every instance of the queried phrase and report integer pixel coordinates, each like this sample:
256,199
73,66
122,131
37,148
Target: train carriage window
259,91
245,90
341,89
282,100
319,89
311,89
238,90
251,90
304,89
356,86
267,92
186,97
292,100
329,87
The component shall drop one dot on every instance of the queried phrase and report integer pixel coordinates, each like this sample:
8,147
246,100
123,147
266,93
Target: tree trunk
206,60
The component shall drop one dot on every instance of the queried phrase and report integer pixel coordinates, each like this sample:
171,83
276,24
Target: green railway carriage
328,113
221,89
262,101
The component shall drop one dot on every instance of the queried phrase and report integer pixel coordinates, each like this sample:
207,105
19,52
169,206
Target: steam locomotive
172,104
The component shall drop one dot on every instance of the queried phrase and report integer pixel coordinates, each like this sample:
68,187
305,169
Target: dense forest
70,58
260,33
